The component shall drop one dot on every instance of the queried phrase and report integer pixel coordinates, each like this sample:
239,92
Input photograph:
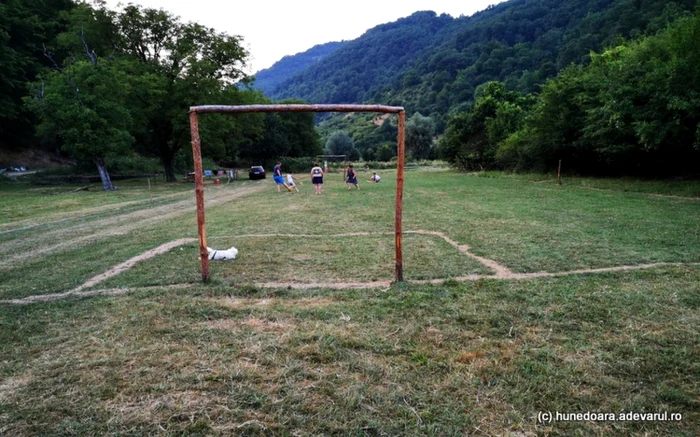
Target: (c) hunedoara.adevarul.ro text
547,417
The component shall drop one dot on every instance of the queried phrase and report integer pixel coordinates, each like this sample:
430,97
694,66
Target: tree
270,143
339,143
420,132
300,132
25,27
632,110
386,151
83,107
180,65
354,155
472,138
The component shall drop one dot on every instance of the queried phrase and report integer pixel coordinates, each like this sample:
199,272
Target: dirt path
103,292
97,230
60,217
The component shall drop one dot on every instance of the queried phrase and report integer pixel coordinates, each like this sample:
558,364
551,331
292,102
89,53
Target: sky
274,29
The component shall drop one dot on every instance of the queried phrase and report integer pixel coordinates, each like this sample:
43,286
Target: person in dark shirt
352,178
279,179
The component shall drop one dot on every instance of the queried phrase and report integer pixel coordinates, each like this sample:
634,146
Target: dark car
256,172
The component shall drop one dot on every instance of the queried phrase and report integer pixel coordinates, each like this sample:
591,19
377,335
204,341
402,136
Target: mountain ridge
433,63
268,78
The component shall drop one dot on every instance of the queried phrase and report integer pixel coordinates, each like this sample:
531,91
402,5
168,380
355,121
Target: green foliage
432,64
300,132
472,138
25,26
339,143
267,80
360,68
420,133
386,151
427,63
298,165
133,164
81,105
178,65
367,131
284,134
634,109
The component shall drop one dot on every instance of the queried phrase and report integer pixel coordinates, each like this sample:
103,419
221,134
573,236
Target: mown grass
479,358
668,187
25,204
231,358
319,259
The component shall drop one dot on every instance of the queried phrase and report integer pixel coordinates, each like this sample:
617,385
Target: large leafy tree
299,129
472,138
82,106
420,133
339,143
179,65
634,109
25,27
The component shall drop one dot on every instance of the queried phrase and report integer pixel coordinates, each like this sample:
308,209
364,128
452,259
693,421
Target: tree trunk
169,170
104,175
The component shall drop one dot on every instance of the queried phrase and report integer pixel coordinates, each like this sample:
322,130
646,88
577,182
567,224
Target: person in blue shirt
279,179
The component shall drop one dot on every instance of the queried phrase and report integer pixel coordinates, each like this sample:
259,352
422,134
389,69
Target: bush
132,164
298,165
386,151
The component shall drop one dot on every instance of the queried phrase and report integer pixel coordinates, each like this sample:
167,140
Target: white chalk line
501,272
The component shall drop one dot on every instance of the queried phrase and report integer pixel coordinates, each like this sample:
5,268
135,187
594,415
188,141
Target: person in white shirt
317,178
375,177
291,183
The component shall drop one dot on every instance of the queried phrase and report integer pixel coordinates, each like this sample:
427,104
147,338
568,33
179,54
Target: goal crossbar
199,175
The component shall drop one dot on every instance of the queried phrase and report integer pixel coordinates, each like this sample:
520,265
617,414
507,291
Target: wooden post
559,173
398,274
199,193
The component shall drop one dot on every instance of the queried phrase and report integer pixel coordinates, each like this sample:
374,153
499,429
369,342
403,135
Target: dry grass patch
187,405
255,323
9,387
238,303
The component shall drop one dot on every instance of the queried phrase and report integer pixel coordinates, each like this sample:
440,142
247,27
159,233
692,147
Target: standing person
277,176
352,178
291,183
317,178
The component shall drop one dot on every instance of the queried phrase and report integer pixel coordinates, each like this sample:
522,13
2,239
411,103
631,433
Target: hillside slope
268,79
432,63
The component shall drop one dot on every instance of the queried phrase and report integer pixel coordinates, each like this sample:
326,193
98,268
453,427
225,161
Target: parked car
256,172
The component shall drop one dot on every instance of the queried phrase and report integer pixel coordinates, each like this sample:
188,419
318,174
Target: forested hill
432,63
267,80
355,71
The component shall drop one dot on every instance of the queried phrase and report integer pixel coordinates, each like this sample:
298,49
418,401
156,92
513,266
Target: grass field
506,314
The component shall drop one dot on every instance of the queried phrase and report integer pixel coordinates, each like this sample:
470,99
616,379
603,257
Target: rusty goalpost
199,176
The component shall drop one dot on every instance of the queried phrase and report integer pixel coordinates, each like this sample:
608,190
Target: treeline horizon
99,84
633,110
438,67
518,86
